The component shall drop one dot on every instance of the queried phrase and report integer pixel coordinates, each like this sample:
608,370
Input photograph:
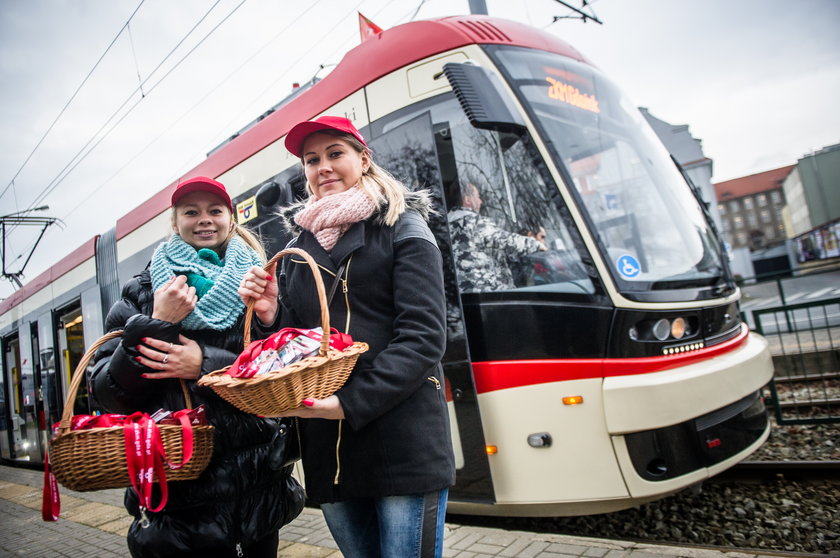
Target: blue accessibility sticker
627,266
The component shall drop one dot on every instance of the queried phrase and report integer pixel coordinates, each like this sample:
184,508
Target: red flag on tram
367,28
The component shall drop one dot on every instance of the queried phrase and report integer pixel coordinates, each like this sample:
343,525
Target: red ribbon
144,456
50,500
338,341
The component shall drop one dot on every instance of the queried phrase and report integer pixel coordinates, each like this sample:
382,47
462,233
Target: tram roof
376,57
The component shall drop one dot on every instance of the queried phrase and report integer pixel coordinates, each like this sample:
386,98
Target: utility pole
478,7
579,11
18,218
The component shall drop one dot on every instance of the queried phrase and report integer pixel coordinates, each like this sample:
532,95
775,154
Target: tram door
23,423
50,378
6,443
71,347
408,151
40,414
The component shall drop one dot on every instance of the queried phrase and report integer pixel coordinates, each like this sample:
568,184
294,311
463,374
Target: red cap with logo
201,184
298,134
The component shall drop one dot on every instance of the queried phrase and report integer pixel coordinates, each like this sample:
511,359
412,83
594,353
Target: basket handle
322,298
79,372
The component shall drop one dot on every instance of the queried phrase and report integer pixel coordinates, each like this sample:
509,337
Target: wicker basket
281,390
94,459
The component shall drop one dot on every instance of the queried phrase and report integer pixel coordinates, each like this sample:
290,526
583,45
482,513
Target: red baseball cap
298,134
201,184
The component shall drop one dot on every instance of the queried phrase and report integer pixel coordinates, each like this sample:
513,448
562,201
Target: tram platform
94,524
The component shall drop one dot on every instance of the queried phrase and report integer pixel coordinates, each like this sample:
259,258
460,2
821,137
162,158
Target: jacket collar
350,241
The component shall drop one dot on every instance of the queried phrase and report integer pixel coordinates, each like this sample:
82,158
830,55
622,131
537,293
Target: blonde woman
377,455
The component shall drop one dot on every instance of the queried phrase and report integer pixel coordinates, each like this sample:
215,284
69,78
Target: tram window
72,348
651,230
22,410
518,199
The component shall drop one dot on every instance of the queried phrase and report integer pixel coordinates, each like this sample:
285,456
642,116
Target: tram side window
510,228
72,348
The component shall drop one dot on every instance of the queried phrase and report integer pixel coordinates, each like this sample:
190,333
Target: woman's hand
174,301
181,360
329,408
260,286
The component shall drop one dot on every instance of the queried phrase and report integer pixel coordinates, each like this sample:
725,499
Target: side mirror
481,96
272,194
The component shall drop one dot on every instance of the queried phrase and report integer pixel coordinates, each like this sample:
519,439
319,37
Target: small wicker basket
94,458
278,391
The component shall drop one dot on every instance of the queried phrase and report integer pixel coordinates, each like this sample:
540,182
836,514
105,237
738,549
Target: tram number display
561,88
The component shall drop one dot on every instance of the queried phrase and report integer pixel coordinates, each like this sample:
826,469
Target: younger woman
182,318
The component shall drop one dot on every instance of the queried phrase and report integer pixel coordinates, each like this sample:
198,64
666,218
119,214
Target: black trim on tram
666,453
509,326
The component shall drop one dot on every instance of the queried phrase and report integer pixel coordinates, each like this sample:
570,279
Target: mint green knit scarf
216,281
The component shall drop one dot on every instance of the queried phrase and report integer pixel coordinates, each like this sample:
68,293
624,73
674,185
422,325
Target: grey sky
755,80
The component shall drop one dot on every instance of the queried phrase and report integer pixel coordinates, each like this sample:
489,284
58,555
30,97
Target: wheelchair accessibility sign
627,266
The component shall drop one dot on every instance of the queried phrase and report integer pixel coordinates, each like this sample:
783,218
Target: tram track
791,470
774,507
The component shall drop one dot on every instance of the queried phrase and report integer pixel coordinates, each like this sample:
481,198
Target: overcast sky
756,80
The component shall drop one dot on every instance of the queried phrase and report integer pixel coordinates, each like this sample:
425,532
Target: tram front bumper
635,403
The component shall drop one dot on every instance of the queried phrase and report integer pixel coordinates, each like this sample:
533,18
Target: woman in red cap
377,455
182,318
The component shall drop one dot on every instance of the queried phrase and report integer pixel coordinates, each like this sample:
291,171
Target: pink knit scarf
329,217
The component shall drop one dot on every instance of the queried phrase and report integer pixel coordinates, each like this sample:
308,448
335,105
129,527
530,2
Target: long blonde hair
376,182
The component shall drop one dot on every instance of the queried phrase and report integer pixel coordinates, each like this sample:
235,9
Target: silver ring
165,358
170,346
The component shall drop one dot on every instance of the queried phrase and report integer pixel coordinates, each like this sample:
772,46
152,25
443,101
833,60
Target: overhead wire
79,157
82,154
72,97
283,75
222,81
225,79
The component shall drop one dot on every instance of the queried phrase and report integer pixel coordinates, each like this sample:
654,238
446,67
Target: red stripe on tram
506,374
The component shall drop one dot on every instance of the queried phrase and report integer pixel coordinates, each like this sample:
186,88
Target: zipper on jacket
346,290
239,552
434,381
337,457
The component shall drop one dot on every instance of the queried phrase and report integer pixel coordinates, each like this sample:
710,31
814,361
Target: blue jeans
389,527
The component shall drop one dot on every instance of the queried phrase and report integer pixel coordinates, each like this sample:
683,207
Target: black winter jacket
247,492
395,439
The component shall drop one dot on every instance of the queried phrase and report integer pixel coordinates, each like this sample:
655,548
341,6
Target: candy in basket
269,382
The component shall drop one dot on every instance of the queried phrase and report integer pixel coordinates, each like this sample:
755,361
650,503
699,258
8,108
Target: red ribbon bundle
144,456
239,368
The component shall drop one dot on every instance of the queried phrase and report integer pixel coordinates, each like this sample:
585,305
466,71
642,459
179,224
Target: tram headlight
661,329
678,328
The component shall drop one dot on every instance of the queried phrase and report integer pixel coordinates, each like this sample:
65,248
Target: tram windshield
650,228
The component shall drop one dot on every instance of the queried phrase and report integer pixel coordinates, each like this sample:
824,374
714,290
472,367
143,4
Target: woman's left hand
329,408
171,360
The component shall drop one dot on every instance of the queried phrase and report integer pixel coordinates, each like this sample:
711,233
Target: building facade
813,194
752,209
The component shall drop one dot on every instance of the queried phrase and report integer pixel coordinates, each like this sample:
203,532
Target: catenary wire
73,96
82,154
222,81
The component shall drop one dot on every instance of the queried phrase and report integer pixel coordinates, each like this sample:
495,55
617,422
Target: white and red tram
615,371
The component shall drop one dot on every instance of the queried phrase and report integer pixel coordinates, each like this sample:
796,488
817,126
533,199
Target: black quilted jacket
247,492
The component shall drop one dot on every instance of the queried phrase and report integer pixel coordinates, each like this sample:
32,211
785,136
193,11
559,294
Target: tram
614,370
